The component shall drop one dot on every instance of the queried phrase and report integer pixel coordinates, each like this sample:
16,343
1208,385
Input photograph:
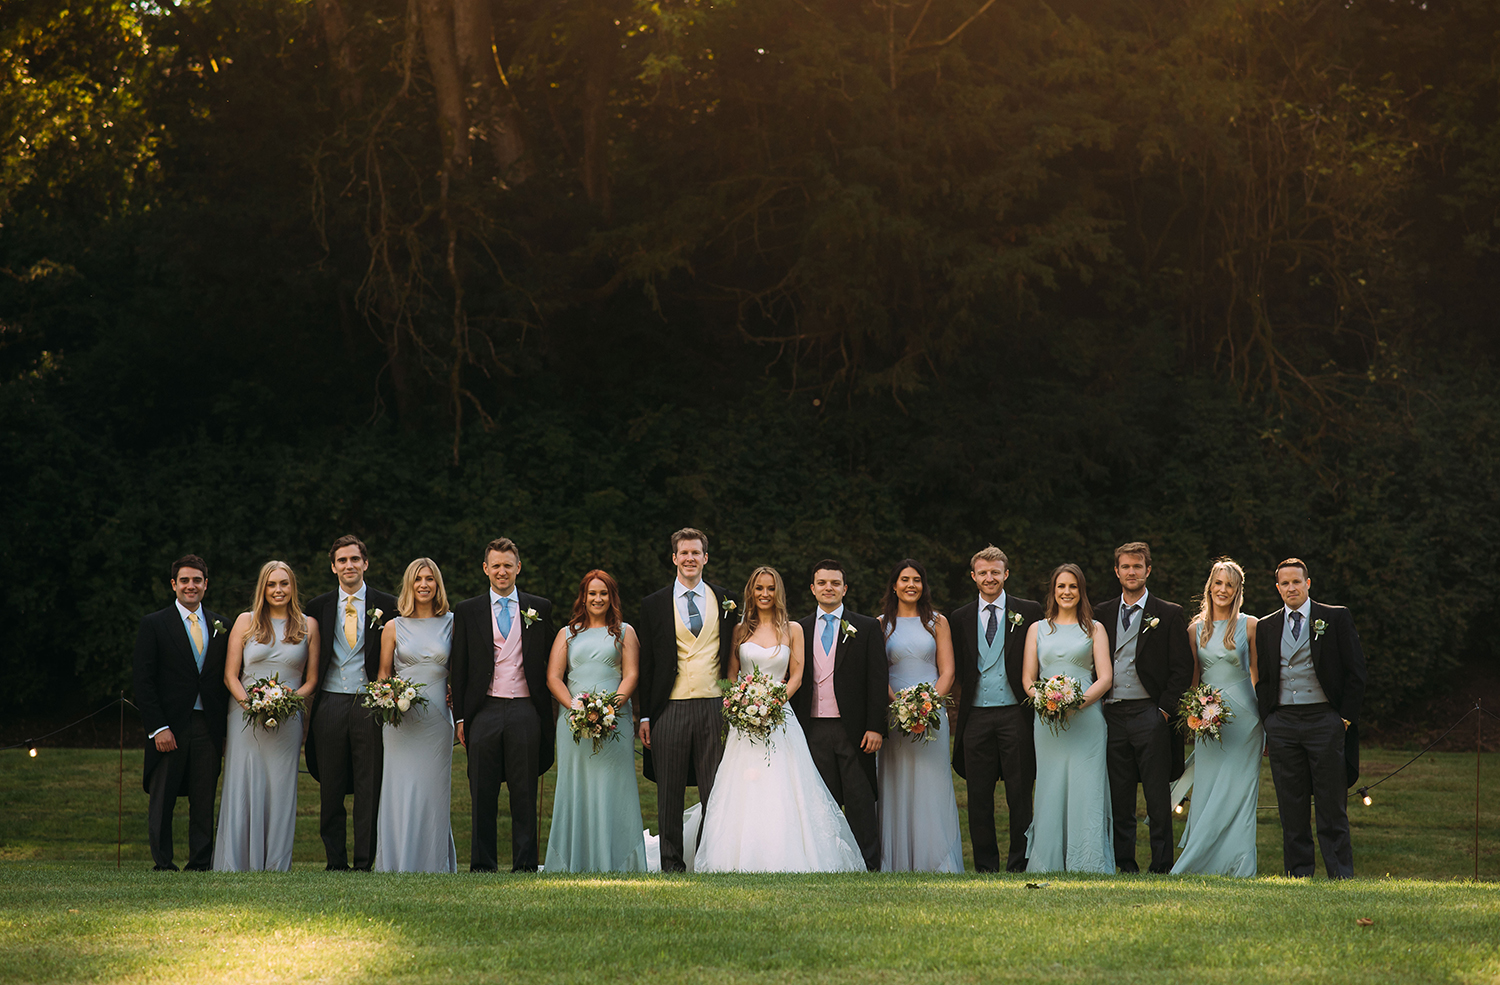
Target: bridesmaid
258,807
596,812
1220,834
1071,830
918,812
416,786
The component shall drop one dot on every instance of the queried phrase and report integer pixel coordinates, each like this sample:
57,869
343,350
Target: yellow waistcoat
697,657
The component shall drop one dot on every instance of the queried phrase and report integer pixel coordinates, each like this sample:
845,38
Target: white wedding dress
769,810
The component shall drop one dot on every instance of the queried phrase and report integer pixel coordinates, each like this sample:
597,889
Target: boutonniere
218,628
1013,620
848,630
728,606
530,616
375,615
1148,624
1318,627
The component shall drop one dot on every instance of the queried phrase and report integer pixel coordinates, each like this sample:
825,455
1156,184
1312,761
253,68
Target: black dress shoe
524,868
336,868
483,868
164,868
197,868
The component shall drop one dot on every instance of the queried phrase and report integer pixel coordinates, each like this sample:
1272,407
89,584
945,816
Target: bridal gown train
769,810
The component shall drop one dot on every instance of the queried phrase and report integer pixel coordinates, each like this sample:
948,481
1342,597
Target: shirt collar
184,611
999,603
496,596
1305,608
682,589
836,613
358,595
1141,602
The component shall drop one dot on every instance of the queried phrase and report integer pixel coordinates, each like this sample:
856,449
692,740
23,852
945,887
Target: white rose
411,694
403,704
271,723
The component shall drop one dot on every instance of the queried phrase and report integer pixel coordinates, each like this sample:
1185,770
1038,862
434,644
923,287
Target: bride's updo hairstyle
261,629
751,621
1235,575
1085,610
406,602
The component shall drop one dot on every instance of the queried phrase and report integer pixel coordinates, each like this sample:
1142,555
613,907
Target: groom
686,631
841,703
994,736
179,689
503,710
344,746
1312,682
1153,668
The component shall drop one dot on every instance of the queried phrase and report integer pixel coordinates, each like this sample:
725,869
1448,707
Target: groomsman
345,752
498,675
179,689
1153,669
1309,696
841,703
994,737
686,631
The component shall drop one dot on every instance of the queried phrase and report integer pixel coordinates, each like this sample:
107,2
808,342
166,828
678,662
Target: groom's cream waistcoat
698,656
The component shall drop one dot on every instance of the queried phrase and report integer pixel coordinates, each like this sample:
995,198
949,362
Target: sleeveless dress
258,807
1220,834
769,810
1071,830
416,785
596,811
918,812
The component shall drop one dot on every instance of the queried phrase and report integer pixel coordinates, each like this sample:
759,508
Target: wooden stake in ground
1478,748
120,810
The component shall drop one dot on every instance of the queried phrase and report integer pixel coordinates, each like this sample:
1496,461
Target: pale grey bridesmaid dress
258,808
416,788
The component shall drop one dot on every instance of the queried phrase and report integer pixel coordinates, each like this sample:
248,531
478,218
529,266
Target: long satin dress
918,812
258,808
1071,828
1220,834
416,785
596,812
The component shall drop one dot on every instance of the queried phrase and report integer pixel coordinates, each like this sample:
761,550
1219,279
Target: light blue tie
502,618
695,618
1296,625
828,619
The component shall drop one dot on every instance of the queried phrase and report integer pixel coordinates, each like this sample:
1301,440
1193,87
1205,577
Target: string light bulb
1364,795
1178,808
31,750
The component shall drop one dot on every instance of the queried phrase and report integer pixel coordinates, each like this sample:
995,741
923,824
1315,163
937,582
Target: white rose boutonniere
1013,620
847,628
375,616
218,628
1149,623
1319,627
530,615
728,606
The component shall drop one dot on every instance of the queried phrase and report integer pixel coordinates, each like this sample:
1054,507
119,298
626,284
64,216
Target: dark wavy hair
891,605
1085,610
580,616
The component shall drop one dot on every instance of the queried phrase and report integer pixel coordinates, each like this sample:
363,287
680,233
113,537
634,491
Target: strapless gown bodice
772,661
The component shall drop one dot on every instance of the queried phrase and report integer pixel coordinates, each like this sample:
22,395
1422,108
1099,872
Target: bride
769,810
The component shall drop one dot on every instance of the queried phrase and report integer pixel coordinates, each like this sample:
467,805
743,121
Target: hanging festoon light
31,749
1364,795
1179,807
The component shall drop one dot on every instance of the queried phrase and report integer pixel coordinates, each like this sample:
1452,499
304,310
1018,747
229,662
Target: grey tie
1296,625
695,618
1132,610
991,627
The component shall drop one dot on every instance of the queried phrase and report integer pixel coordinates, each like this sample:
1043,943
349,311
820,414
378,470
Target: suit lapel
1314,644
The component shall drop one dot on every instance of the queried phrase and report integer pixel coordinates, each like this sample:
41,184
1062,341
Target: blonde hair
1206,606
751,620
261,630
406,602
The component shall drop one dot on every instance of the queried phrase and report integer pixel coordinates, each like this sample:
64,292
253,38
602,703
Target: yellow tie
351,623
197,633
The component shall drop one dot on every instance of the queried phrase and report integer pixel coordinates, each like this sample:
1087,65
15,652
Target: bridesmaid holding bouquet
1220,834
596,813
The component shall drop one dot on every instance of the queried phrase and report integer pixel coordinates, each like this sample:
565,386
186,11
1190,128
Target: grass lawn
66,913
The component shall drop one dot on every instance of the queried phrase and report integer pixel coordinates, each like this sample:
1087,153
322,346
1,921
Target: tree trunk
601,57
340,51
490,99
442,61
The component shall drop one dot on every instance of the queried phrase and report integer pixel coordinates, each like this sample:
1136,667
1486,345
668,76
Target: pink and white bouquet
1204,712
592,716
917,711
392,697
754,705
1054,698
268,702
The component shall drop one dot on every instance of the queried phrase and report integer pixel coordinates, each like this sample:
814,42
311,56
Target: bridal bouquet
1204,712
592,716
917,712
754,705
268,702
1054,698
392,697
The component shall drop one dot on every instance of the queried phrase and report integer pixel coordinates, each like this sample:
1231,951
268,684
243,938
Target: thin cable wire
26,743
1369,786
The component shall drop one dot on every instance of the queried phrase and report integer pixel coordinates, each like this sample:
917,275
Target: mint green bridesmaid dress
1220,834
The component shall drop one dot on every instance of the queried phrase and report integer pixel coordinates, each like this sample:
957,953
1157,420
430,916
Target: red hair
580,616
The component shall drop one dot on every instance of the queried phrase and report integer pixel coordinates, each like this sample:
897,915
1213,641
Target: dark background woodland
819,276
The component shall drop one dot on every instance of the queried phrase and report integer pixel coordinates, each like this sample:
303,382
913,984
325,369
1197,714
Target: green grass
67,914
